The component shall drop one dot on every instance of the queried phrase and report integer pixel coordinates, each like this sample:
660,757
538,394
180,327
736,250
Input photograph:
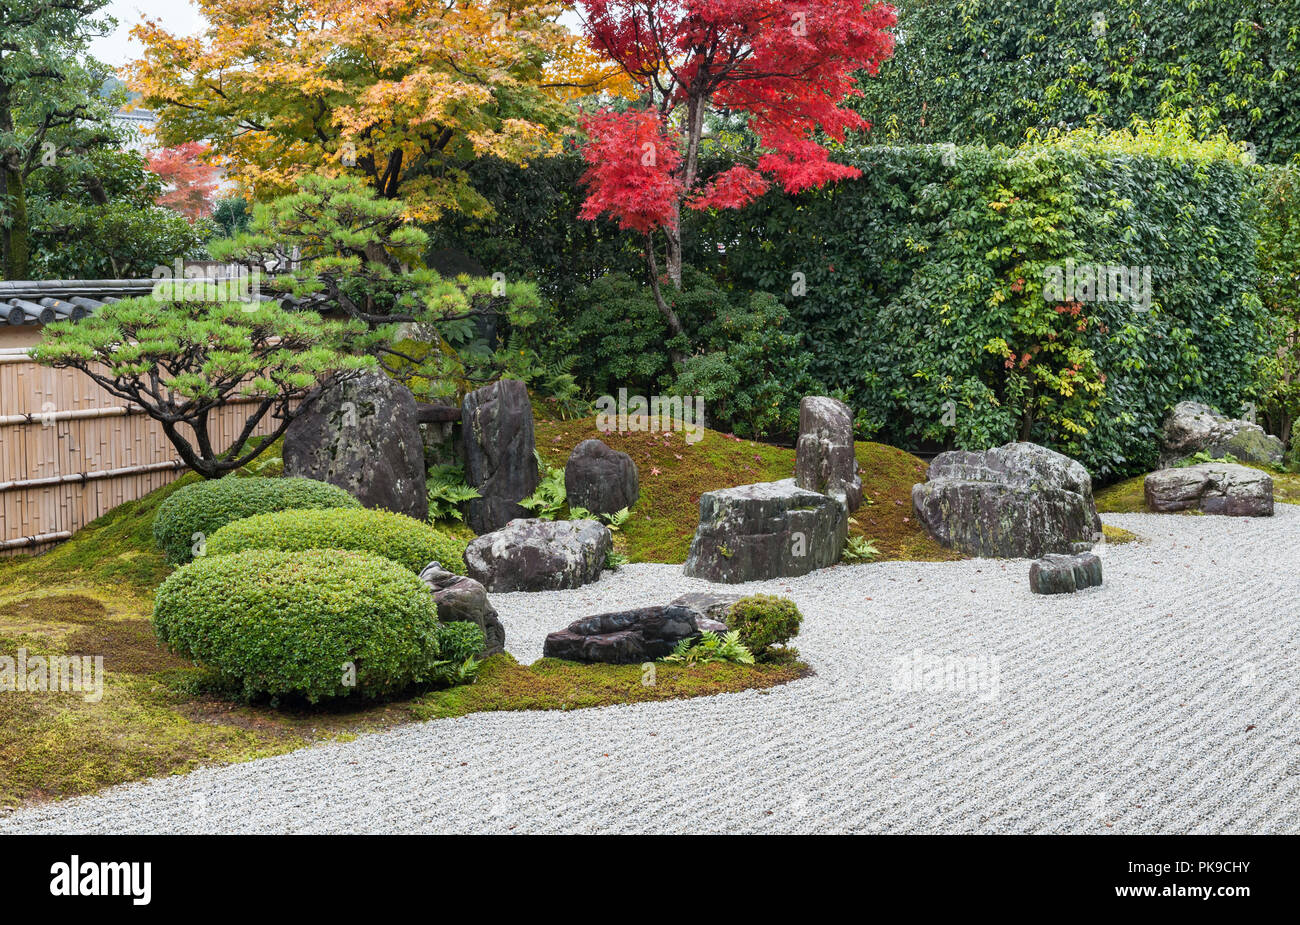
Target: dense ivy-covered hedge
922,284
402,539
201,509
315,624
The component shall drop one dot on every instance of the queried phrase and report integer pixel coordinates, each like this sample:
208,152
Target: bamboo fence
70,452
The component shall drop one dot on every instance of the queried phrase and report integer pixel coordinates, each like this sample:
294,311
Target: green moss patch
551,684
674,473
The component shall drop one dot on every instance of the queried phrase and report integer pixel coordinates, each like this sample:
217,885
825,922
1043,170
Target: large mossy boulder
1212,488
1192,428
1019,501
500,460
766,530
363,435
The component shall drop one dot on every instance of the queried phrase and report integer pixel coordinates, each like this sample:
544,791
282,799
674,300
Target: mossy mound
674,473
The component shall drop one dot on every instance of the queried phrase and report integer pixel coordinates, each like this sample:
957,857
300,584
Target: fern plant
448,491
710,647
856,549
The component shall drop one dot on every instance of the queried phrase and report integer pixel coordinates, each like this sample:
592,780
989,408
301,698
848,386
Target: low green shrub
402,539
764,621
191,515
316,624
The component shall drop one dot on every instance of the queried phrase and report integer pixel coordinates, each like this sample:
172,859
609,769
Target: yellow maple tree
404,92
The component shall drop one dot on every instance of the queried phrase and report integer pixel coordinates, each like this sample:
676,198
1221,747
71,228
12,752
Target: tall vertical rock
824,460
500,461
363,435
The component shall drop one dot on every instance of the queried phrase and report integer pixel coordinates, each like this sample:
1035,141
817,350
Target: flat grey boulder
766,530
497,431
1215,488
711,608
363,435
824,457
1018,501
1061,574
529,554
1192,428
600,479
464,599
624,637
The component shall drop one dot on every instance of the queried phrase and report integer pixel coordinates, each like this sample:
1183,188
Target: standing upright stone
824,460
599,479
500,460
363,435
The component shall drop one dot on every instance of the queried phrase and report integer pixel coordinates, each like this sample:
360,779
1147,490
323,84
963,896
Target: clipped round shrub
205,507
301,623
403,539
763,621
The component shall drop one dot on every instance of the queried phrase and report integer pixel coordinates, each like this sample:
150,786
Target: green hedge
291,623
924,285
402,539
205,507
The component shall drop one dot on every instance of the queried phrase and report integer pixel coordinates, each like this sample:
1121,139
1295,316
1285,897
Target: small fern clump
448,490
710,647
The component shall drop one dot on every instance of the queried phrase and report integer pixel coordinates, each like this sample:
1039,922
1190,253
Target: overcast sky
178,16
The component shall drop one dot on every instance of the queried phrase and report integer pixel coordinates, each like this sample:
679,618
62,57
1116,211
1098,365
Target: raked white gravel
1167,700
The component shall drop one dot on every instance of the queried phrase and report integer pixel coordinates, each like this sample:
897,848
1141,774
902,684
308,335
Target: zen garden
609,416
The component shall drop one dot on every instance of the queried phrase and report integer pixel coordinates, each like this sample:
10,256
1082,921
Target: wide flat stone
1214,488
765,530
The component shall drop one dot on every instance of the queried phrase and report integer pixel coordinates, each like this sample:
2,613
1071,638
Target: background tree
992,70
188,179
51,112
787,69
184,361
403,93
96,217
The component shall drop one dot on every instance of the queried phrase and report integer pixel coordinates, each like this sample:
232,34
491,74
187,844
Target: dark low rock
1192,428
499,447
1018,501
464,599
624,637
599,479
1214,488
363,435
825,459
766,530
529,554
1062,574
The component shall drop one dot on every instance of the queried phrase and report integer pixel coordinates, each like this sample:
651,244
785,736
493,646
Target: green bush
298,624
917,293
402,539
204,508
764,621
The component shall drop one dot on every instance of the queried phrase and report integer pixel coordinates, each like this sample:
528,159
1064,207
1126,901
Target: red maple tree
788,66
189,179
